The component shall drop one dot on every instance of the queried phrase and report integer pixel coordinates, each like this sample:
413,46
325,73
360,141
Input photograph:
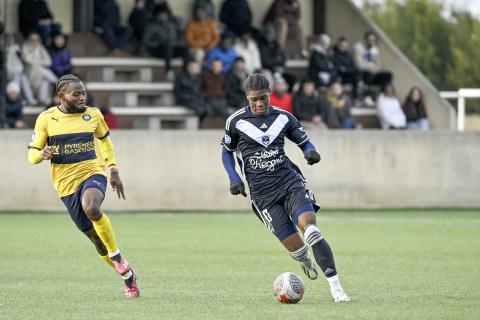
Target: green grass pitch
405,264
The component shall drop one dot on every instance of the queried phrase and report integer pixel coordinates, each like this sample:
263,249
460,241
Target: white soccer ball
288,288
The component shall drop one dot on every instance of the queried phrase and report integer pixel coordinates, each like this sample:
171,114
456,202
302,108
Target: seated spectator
273,57
110,117
280,97
207,6
214,89
201,35
61,56
345,65
237,16
188,90
16,70
160,40
284,15
37,65
138,19
309,108
320,67
224,51
14,107
234,89
390,112
414,110
367,59
107,23
341,106
35,16
246,48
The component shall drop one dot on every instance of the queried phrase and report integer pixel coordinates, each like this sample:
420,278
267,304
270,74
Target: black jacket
272,55
234,92
106,13
13,111
306,107
29,12
236,15
343,62
320,62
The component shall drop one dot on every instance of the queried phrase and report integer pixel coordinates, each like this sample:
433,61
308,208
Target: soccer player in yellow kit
66,136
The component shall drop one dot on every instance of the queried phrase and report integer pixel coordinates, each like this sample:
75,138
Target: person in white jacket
390,112
37,62
16,70
246,48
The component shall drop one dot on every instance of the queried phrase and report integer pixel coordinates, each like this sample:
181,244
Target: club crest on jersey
265,140
227,139
87,117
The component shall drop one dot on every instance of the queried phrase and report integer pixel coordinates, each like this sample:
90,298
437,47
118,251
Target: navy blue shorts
73,202
280,216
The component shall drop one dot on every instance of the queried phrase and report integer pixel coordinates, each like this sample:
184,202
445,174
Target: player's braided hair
65,80
255,82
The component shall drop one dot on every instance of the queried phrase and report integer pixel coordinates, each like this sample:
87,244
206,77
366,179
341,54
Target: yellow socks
104,229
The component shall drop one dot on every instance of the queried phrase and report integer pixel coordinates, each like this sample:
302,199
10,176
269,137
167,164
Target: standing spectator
224,51
280,97
61,56
138,19
285,15
201,34
246,48
214,89
107,23
16,70
35,16
390,112
13,107
341,105
37,65
367,59
320,67
237,16
207,6
188,90
160,40
345,65
309,108
414,109
110,118
234,89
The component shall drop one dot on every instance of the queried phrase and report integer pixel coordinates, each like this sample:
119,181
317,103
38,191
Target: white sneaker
309,269
339,296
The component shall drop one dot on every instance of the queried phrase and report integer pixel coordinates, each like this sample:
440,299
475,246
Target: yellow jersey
77,155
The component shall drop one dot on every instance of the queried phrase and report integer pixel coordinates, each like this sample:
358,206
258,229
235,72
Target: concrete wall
62,10
343,18
183,170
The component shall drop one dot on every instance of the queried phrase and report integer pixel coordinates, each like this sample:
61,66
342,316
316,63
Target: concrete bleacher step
131,93
152,118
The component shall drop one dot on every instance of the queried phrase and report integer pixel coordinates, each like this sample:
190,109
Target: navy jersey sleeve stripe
106,135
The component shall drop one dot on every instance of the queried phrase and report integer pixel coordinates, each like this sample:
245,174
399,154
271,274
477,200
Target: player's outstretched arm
236,184
310,153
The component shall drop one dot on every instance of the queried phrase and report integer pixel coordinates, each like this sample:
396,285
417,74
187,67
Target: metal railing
461,95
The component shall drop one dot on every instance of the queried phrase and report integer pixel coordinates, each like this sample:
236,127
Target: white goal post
461,95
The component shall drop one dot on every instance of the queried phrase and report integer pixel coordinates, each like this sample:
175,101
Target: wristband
114,170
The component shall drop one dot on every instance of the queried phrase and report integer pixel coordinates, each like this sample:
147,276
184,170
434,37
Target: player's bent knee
312,234
92,210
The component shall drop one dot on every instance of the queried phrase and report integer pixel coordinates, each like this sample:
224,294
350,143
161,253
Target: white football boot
309,268
336,290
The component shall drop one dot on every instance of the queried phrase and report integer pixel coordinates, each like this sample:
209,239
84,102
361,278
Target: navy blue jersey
259,142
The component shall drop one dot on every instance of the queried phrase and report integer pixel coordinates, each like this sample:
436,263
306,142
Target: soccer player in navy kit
278,193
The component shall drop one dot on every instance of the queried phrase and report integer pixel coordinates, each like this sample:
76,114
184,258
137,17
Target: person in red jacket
280,97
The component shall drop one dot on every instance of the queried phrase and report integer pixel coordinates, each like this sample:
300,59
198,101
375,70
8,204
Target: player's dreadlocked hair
65,80
255,82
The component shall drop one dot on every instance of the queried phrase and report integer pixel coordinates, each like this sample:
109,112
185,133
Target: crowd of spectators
217,57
